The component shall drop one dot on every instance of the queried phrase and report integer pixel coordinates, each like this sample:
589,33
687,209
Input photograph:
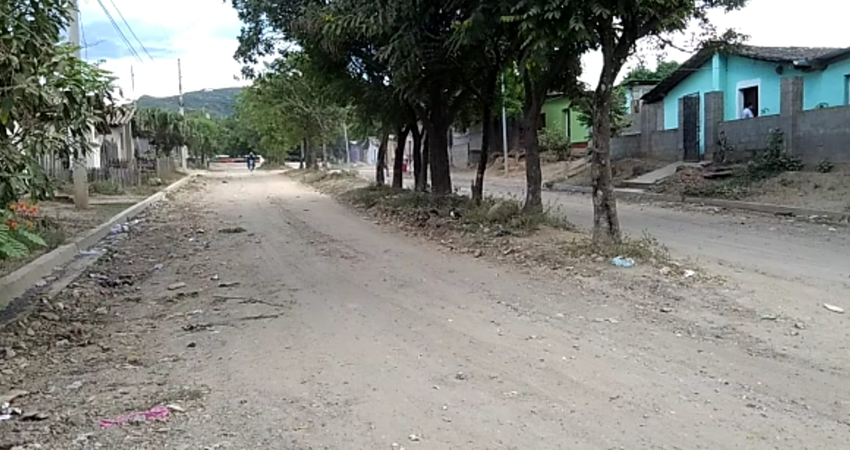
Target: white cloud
202,33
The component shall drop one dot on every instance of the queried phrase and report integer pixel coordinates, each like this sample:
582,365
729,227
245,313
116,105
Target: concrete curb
20,281
633,195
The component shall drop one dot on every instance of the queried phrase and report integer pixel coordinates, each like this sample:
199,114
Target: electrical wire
120,33
131,29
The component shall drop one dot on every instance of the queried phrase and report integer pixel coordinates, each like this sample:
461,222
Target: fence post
714,107
790,107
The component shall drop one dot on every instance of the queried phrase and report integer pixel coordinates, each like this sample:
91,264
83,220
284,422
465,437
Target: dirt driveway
342,335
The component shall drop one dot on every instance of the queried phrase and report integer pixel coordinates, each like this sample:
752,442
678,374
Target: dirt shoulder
811,190
315,328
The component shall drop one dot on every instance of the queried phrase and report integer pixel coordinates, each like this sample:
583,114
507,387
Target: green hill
218,102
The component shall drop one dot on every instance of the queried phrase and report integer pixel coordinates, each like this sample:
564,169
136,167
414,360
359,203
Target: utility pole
81,181
133,84
183,149
504,126
347,143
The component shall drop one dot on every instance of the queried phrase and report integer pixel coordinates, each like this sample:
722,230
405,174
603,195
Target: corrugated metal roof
121,115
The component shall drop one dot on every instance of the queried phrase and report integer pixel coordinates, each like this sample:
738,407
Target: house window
749,96
567,117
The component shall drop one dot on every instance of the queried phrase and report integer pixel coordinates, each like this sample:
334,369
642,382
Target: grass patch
105,188
500,217
645,249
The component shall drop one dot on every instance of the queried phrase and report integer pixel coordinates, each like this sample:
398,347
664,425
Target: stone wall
664,146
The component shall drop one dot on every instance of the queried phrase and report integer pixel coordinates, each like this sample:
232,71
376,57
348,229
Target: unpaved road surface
344,335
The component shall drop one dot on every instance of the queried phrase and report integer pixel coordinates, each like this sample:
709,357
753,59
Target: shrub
825,166
105,188
18,231
774,160
555,140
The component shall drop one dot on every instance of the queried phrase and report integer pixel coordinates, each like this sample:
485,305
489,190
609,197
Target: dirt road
783,266
343,335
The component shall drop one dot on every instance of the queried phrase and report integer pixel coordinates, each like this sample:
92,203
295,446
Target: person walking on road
252,161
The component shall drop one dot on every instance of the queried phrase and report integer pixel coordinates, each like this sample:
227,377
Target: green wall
555,110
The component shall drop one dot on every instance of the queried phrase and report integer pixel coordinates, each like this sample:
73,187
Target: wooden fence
123,174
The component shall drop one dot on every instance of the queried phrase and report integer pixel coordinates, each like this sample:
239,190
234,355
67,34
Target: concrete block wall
627,146
812,135
664,146
747,136
823,134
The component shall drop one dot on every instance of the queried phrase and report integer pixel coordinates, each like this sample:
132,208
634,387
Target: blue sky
203,34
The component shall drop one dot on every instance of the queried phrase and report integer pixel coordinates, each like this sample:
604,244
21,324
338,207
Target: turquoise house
749,75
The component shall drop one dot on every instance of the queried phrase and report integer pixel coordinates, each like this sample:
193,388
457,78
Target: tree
550,41
164,129
50,101
615,27
643,73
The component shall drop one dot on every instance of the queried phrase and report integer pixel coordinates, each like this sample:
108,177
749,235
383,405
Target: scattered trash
158,267
196,327
75,386
92,252
833,308
833,229
214,278
460,376
625,263
191,345
232,230
40,283
10,396
771,317
666,309
157,413
228,284
120,228
176,286
175,408
414,438
690,274
34,417
665,271
800,326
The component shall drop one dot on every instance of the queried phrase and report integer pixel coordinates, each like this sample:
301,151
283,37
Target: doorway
691,128
749,96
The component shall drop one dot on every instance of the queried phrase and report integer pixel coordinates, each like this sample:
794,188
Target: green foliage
825,166
105,188
774,159
50,99
17,234
555,140
219,103
166,130
642,73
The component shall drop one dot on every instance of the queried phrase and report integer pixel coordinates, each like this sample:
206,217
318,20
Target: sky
203,34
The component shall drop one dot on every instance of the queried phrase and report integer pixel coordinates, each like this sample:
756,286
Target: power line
131,29
120,33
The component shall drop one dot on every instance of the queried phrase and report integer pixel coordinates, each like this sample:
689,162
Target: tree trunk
606,224
381,169
529,143
324,154
438,131
484,158
301,161
418,163
398,163
312,161
426,161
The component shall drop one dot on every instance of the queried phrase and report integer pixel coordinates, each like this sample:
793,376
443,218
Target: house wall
700,82
556,118
827,87
749,135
